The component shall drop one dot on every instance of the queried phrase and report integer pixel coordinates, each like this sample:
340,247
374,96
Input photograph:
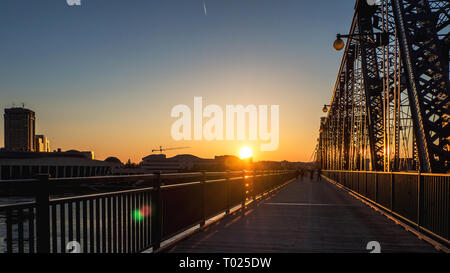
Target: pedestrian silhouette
302,174
319,174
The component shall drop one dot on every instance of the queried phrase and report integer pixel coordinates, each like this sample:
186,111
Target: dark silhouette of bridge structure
390,105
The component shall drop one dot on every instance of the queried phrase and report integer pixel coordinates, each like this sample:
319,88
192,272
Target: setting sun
245,152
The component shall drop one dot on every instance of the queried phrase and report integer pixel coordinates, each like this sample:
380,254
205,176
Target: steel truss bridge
385,143
390,106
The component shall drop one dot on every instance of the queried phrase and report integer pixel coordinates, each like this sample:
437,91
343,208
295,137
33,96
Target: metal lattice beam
426,65
390,104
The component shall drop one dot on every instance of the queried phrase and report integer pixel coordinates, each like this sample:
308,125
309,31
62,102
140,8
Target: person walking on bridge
319,174
311,174
302,174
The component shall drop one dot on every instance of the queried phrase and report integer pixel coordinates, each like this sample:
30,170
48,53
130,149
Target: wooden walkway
304,216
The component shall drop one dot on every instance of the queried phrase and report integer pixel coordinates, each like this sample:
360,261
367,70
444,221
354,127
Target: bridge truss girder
390,105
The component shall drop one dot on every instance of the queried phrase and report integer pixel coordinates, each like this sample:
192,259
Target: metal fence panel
405,196
181,209
124,221
436,207
422,199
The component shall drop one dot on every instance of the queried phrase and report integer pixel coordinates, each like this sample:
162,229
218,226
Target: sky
104,76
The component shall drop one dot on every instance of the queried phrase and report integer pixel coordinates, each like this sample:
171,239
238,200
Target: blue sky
113,69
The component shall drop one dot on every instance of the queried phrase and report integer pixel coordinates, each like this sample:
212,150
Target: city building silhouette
19,129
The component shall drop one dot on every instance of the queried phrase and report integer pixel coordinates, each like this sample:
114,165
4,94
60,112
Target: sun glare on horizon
245,152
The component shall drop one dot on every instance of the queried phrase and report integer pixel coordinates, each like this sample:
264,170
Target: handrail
94,195
122,178
17,205
180,185
12,184
130,178
404,173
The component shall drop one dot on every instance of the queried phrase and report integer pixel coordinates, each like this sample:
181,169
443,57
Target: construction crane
161,149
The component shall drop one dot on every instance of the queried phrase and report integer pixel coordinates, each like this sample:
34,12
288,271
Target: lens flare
140,214
137,216
145,211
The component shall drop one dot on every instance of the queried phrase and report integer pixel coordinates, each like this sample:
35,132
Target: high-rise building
42,144
19,129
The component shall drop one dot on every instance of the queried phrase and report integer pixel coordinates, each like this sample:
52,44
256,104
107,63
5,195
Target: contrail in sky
204,8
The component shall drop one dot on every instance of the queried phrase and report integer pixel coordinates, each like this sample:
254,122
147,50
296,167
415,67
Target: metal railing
129,220
421,200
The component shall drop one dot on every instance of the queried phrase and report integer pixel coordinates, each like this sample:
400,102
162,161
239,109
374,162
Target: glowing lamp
339,43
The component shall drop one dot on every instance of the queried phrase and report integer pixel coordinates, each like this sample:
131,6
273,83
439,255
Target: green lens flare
137,215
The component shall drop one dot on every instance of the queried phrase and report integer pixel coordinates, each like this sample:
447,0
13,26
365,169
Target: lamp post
325,108
381,39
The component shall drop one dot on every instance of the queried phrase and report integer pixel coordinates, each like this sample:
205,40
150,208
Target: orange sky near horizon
131,125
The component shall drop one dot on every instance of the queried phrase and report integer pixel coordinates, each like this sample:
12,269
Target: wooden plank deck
304,216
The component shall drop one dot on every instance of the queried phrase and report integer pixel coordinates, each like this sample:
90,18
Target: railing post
156,210
244,192
365,181
376,187
43,214
357,181
419,200
271,181
227,192
278,178
392,191
275,179
203,199
253,185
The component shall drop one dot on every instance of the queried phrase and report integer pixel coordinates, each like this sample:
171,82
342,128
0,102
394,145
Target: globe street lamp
381,39
339,43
